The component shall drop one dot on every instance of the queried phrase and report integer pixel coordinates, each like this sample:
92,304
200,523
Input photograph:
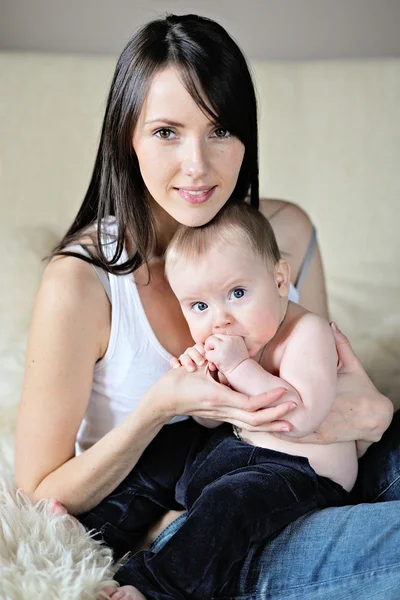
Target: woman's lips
194,196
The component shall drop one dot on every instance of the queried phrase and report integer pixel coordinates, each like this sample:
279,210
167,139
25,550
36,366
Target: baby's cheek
200,337
265,328
198,334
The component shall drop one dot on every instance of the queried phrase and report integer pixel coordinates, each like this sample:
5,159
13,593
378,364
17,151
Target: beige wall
266,29
329,140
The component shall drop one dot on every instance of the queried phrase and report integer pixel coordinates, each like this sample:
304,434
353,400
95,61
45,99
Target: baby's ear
282,277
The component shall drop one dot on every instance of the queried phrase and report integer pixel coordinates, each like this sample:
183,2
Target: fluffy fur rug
41,556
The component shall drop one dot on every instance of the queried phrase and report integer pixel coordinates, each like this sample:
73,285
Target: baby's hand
225,351
191,359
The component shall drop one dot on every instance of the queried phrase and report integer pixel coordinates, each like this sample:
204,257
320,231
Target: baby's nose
222,321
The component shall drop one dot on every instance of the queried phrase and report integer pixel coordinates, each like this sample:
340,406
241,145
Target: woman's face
189,164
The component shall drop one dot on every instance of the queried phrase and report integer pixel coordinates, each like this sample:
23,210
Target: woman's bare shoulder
77,274
293,230
70,287
271,206
284,213
292,227
291,224
69,272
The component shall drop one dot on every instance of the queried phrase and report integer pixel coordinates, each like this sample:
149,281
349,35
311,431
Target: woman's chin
197,215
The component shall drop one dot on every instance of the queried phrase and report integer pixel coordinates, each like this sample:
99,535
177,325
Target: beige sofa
330,141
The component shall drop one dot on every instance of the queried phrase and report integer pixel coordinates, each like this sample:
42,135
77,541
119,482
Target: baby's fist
225,351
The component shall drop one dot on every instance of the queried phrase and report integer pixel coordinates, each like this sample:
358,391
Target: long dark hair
209,61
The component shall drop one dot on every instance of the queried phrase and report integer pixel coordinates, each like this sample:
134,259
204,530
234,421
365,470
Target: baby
233,287
244,486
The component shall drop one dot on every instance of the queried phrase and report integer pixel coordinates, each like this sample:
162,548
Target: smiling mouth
196,195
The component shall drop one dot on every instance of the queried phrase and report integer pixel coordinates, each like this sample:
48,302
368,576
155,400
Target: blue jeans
236,495
350,552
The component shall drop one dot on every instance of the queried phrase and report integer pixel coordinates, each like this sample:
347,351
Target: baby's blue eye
237,293
199,306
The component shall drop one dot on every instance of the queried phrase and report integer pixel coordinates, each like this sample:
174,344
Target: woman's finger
253,421
255,403
265,416
174,363
225,397
347,360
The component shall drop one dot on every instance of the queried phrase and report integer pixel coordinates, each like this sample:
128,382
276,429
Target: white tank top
133,362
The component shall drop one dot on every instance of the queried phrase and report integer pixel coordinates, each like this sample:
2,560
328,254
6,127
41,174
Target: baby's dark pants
235,494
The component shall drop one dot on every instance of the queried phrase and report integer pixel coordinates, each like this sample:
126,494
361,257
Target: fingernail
334,326
292,406
285,429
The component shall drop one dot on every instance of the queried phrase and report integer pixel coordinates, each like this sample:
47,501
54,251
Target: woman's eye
238,293
222,133
199,306
164,133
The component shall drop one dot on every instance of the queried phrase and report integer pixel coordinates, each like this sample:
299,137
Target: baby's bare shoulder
309,327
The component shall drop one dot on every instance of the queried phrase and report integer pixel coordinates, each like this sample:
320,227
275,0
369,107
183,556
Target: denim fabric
351,552
236,495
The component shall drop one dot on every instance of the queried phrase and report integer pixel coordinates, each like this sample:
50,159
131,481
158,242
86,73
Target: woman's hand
360,413
197,394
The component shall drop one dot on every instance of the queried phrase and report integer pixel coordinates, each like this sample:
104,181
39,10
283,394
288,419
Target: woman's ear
282,277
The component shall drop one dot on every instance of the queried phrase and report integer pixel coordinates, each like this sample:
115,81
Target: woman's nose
195,160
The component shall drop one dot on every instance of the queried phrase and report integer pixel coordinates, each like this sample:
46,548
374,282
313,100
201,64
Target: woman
179,139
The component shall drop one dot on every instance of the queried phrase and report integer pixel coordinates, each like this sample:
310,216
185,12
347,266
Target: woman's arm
360,412
369,409
69,333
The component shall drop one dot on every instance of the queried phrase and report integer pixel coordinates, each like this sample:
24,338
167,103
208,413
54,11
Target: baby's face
231,291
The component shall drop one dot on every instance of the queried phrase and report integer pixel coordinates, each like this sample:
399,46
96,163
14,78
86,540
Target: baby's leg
239,509
127,592
123,518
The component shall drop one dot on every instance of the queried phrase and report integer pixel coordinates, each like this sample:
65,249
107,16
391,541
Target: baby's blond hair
236,221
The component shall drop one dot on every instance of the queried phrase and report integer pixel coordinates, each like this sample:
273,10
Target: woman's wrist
158,405
381,410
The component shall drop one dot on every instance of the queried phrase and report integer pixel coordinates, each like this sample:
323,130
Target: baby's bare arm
250,377
231,357
310,365
308,371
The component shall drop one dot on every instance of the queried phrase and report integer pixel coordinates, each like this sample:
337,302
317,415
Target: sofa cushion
22,250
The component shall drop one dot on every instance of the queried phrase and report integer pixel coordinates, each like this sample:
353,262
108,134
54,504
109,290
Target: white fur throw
41,556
